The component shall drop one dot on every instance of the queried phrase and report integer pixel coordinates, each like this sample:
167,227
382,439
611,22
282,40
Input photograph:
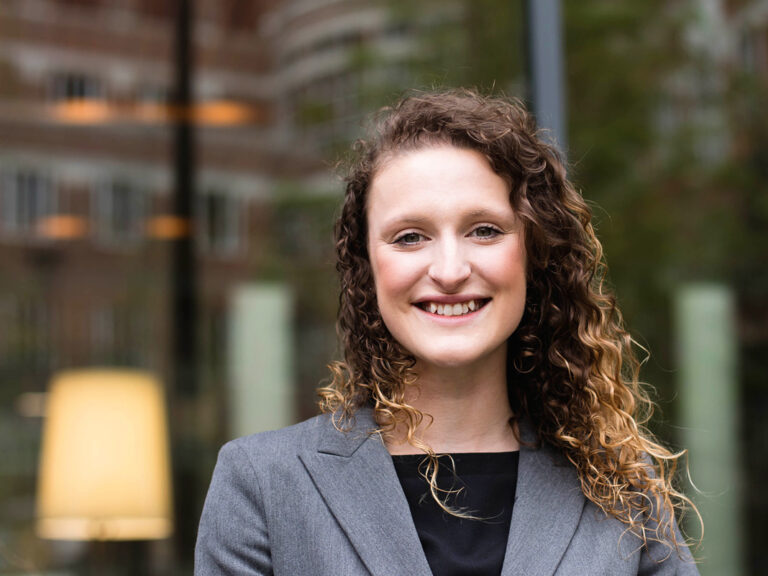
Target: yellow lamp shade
104,466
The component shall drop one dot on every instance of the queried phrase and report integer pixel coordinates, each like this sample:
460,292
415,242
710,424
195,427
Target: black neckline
467,463
460,454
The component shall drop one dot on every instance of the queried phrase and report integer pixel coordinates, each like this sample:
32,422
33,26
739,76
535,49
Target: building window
75,86
119,212
220,223
153,94
26,337
117,335
754,50
27,197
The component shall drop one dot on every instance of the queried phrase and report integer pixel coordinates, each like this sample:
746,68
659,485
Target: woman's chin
452,361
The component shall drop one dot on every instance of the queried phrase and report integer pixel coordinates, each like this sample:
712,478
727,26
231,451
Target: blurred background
166,208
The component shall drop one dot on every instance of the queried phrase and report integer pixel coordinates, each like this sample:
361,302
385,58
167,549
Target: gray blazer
311,501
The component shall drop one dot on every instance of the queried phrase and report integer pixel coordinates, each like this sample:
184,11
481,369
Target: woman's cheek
396,276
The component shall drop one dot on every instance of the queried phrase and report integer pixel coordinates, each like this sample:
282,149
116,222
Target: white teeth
452,309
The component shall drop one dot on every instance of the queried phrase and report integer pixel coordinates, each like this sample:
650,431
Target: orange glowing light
223,113
167,227
62,227
82,112
212,113
151,113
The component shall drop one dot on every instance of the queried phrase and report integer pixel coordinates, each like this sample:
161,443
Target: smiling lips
456,309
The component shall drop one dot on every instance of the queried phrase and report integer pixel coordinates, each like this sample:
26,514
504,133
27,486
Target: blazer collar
354,473
548,507
344,438
356,477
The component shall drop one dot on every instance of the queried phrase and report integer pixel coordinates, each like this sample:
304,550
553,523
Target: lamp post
184,289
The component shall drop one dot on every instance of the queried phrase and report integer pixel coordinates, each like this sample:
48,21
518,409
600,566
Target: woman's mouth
455,309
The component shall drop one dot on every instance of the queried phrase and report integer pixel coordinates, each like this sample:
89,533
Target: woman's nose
449,267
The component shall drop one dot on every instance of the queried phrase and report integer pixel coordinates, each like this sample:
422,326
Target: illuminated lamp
104,466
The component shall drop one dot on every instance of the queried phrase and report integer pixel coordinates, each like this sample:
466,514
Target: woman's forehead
422,184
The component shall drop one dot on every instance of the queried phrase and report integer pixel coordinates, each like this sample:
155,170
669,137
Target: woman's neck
466,410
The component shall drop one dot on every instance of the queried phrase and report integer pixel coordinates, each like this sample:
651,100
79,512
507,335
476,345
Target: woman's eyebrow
475,214
405,220
480,213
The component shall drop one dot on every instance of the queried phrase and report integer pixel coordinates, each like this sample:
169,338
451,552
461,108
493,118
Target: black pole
184,292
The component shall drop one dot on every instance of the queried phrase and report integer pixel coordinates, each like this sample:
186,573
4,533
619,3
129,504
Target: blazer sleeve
233,536
659,559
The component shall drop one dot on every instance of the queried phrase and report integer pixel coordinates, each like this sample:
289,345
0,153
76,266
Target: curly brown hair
571,366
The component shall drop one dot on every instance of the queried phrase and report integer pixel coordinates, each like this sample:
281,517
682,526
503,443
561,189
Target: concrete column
709,389
261,356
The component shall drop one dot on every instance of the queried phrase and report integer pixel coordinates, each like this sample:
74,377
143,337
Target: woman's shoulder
322,432
283,441
263,460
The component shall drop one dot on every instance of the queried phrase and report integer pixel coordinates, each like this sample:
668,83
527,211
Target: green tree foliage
462,43
677,199
619,58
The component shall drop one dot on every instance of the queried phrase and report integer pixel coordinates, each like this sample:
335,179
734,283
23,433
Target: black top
456,546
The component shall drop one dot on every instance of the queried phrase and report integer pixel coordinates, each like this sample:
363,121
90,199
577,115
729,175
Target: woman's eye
485,232
409,238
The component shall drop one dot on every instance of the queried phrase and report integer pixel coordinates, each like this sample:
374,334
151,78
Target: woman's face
447,254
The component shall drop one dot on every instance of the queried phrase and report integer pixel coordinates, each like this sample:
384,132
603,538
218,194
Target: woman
487,417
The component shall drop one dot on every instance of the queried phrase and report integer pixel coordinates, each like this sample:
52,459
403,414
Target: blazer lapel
548,506
355,476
